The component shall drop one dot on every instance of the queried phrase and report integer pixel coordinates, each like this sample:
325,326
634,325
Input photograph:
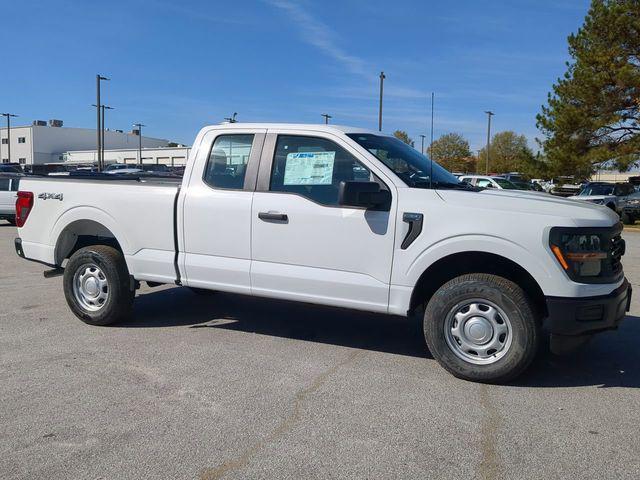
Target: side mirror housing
363,195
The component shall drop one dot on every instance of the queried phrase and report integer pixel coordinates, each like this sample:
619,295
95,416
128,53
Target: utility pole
99,78
8,117
422,148
326,118
489,115
382,77
139,125
433,96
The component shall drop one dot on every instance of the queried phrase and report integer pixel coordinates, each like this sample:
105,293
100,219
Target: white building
171,156
46,143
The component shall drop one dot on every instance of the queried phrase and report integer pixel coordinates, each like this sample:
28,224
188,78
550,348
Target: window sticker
309,168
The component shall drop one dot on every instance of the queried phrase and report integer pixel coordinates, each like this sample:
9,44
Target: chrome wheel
90,287
478,331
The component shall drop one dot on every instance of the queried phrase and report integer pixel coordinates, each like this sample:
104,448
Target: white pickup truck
343,217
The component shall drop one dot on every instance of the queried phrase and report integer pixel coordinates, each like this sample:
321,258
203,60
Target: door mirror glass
364,195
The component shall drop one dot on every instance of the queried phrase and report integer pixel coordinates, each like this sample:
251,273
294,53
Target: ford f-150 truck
343,217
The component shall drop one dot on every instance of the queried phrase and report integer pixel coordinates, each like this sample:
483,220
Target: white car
484,181
9,184
343,217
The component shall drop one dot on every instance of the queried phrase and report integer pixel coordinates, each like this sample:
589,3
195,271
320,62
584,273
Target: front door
304,245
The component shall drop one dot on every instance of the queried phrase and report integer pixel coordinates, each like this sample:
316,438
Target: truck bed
137,212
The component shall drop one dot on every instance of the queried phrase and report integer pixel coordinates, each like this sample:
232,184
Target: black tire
111,264
627,219
202,291
524,331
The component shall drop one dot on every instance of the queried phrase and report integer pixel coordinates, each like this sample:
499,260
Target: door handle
415,228
273,216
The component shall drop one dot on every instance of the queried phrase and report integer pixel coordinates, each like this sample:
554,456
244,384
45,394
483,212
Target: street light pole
382,77
139,125
99,78
326,118
8,116
489,115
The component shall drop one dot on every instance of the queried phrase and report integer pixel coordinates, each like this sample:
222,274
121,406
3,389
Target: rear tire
482,328
97,285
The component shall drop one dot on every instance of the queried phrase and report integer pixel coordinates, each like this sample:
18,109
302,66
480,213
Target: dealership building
47,142
171,156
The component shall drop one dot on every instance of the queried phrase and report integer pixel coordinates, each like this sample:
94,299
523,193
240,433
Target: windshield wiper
447,185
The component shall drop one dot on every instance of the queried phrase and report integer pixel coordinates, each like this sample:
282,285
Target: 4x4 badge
51,196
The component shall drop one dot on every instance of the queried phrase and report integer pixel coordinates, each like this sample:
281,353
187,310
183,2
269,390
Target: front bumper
588,315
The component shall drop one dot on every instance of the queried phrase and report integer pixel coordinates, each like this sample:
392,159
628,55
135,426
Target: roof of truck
297,126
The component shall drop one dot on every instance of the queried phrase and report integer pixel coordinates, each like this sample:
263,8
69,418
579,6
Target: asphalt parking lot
233,387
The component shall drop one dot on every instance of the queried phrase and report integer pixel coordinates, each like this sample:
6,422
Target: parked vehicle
10,168
611,195
275,211
630,208
565,186
484,181
9,184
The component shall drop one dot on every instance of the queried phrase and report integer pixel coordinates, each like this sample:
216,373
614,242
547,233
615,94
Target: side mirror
364,195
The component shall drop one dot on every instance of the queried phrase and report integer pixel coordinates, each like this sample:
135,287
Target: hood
537,203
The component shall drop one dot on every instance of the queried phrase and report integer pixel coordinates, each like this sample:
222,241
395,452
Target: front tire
482,328
97,286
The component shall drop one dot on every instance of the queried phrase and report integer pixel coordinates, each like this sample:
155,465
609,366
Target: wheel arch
456,264
82,233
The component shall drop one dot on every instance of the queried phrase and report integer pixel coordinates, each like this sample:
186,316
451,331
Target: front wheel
97,286
482,328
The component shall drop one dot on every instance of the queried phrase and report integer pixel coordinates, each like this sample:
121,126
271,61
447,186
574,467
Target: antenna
431,145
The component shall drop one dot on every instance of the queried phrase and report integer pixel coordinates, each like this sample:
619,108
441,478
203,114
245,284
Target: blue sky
178,65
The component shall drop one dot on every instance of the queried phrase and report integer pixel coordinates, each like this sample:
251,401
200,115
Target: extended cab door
304,245
217,210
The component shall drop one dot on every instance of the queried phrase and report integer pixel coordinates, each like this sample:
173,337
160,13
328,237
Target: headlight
588,255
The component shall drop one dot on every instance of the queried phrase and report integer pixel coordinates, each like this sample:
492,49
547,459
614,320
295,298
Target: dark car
631,209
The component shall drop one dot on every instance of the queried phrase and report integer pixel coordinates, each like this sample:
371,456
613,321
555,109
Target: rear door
217,210
304,245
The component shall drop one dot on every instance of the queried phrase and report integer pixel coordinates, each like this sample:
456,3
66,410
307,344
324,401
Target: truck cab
344,217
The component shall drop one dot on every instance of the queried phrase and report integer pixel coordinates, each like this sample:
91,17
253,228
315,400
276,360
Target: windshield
597,190
411,166
504,183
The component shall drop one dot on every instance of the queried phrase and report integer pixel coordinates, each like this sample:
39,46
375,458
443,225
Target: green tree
404,136
593,114
509,152
452,152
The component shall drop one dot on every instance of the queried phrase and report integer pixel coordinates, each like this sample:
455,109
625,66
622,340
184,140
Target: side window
483,182
227,164
314,167
4,184
15,184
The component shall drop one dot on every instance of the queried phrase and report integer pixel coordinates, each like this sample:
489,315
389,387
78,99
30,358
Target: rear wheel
482,328
97,286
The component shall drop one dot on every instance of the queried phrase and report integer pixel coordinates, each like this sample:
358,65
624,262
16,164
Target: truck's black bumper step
583,316
18,244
